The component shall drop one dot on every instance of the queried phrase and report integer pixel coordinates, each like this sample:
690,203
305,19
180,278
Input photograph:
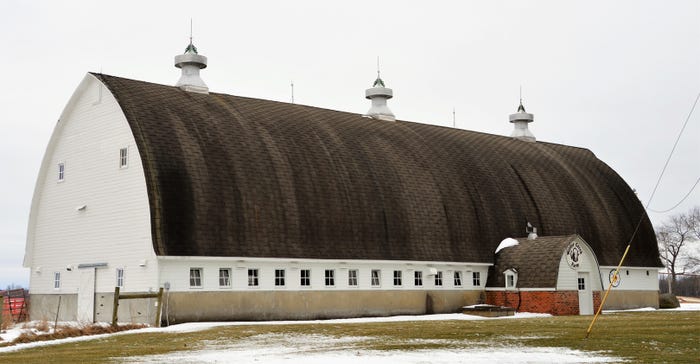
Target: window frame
56,280
124,157
305,277
329,277
438,279
280,278
476,279
253,277
398,278
418,278
353,280
581,283
120,277
61,171
376,277
196,278
457,278
226,277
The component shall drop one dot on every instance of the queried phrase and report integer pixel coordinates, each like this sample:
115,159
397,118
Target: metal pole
605,297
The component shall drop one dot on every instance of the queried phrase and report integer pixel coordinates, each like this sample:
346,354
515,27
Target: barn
249,209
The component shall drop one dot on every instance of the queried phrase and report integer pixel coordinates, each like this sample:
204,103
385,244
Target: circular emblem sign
573,255
614,278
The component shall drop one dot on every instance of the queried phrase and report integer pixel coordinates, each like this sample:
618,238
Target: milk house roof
236,176
536,261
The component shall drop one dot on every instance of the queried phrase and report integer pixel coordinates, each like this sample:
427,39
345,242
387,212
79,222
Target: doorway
86,296
585,295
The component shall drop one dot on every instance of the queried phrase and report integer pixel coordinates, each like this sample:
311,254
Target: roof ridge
312,107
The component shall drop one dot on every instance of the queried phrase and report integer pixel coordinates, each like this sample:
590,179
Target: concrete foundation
622,300
44,307
306,305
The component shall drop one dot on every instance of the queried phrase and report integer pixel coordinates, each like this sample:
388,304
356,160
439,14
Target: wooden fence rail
132,296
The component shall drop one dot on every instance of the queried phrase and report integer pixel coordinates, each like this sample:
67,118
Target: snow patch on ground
684,307
506,243
367,355
312,349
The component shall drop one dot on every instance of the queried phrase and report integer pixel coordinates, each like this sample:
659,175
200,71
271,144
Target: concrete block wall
307,305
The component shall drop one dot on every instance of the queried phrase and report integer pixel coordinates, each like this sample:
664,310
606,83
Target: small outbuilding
549,274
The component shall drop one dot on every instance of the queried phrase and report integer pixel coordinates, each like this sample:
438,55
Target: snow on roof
506,243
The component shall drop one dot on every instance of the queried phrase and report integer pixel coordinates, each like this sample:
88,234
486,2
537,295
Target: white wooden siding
633,278
568,277
175,271
114,227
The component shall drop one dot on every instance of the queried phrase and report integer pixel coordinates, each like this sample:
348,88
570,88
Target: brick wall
552,302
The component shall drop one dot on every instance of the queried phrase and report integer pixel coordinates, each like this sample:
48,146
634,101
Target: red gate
14,304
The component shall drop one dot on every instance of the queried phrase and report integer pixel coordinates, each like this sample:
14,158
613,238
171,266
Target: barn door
86,296
585,295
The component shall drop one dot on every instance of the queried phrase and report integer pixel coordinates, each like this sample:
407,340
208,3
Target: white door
585,295
86,296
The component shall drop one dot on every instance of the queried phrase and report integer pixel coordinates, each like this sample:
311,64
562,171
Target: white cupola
190,62
520,120
379,93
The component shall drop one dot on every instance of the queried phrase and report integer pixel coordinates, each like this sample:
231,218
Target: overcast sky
616,77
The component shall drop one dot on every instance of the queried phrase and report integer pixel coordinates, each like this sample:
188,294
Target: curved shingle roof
536,261
235,176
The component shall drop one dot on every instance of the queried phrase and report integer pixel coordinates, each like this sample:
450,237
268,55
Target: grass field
651,337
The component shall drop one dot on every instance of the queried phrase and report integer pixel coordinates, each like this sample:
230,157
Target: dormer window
511,276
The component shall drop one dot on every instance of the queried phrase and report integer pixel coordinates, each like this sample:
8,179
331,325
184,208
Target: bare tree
693,218
674,237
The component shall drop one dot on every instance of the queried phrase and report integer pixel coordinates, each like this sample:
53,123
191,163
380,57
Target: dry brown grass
62,332
6,322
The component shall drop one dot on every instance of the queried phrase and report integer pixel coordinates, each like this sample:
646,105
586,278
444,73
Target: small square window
57,280
195,277
352,277
279,277
224,277
510,280
581,283
418,278
476,279
305,276
123,157
376,278
253,278
330,277
61,171
458,279
438,279
397,278
120,277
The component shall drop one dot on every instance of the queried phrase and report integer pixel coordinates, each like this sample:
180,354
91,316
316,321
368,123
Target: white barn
252,209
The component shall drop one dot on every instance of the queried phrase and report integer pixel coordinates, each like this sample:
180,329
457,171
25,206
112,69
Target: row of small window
123,162
196,275
119,282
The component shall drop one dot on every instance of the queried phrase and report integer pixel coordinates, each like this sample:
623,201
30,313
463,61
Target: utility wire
672,150
641,218
679,202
